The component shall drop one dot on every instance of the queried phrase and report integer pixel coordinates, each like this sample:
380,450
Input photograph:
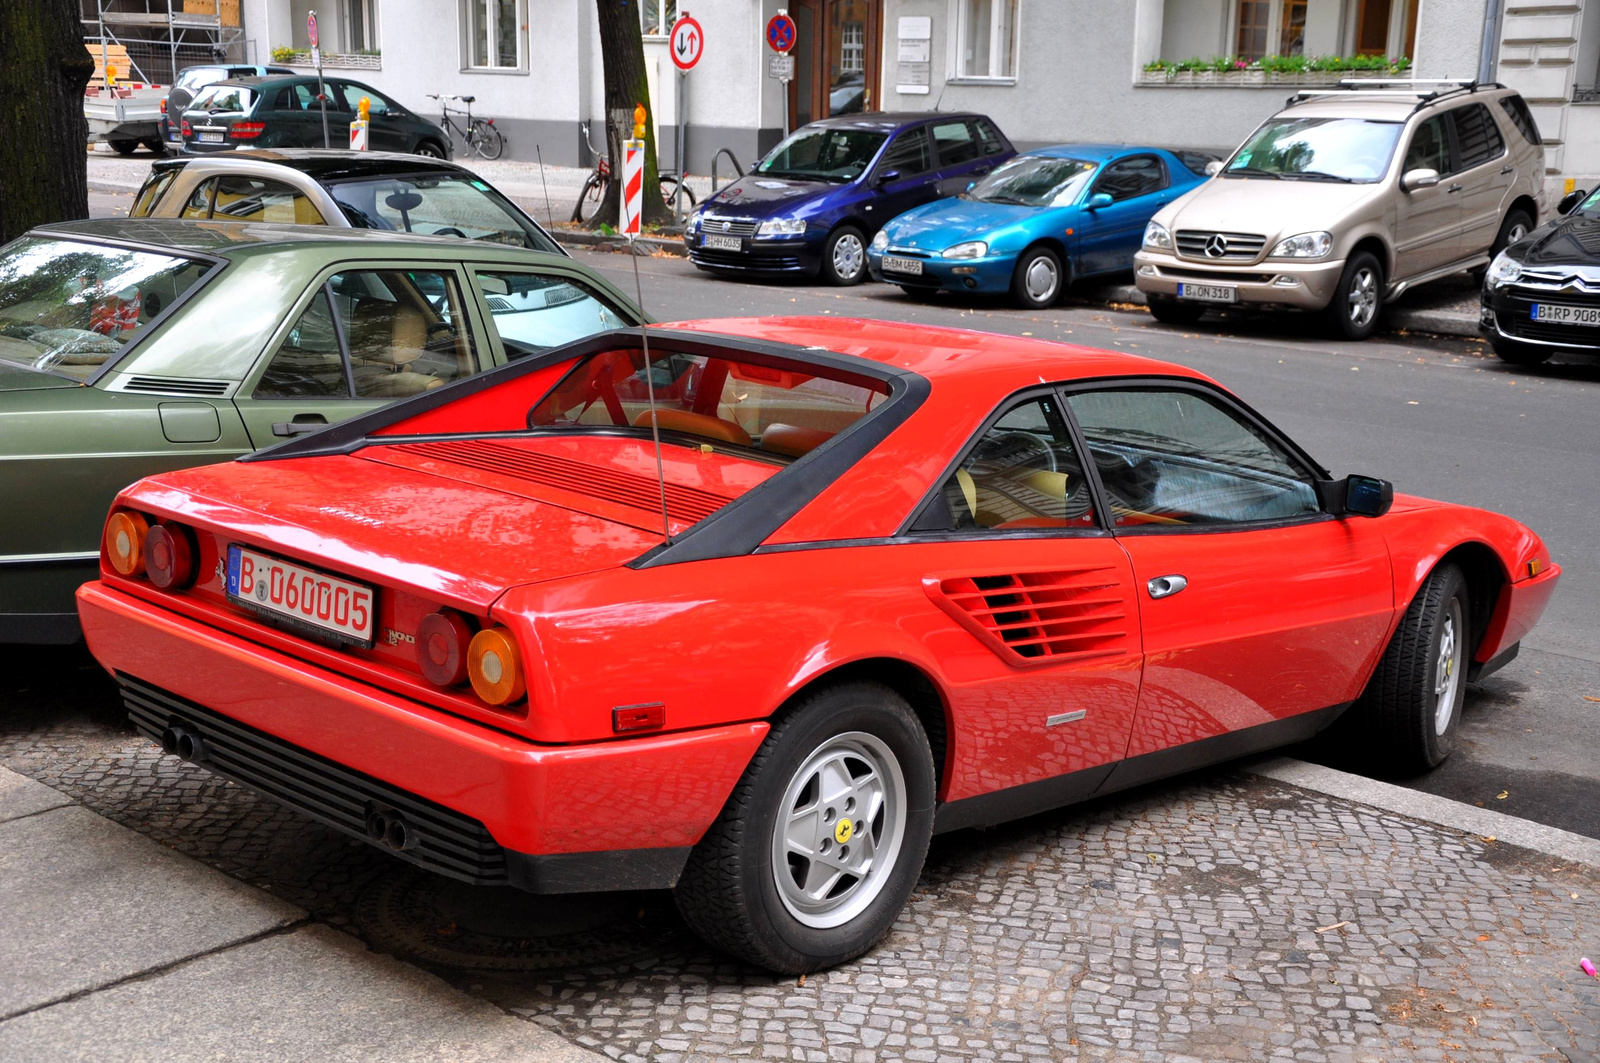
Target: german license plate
1567,315
891,264
1209,293
299,597
718,242
175,136
211,138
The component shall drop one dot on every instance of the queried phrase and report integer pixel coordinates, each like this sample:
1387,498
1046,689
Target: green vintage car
133,346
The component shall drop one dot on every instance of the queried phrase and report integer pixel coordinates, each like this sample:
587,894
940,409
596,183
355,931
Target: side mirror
1421,178
1098,200
885,176
1213,167
1356,496
1570,201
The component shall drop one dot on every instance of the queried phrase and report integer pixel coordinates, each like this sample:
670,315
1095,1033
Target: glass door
837,49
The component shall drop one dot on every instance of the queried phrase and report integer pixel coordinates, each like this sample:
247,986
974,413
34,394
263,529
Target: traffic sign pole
781,37
322,89
686,44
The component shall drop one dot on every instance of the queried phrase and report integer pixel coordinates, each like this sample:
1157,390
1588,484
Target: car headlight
782,227
1157,236
693,224
970,249
1504,270
880,240
1304,245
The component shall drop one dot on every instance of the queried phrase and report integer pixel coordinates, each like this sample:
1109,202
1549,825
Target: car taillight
494,664
124,542
187,130
163,105
169,553
248,130
443,641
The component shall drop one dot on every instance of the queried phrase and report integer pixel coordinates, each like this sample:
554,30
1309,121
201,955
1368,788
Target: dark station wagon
286,112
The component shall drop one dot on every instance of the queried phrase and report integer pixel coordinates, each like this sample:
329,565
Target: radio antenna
650,394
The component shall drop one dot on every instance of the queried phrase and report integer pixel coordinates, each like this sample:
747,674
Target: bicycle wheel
488,141
669,190
594,190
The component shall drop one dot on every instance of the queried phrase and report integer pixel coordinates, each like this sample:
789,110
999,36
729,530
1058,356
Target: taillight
187,130
163,105
443,641
169,553
494,665
248,130
124,542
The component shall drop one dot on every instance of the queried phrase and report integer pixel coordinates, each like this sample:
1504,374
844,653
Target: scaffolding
160,38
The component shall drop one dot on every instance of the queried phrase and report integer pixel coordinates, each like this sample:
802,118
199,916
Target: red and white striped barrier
632,186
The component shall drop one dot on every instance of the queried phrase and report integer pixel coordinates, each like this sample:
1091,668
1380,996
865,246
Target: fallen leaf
802,980
1490,838
1483,937
1335,926
1574,896
1502,795
1590,697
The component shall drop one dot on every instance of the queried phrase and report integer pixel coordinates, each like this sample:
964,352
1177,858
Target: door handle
1452,190
980,171
303,423
1166,586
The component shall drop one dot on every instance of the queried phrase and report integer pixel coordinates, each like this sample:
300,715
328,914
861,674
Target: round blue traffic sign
780,33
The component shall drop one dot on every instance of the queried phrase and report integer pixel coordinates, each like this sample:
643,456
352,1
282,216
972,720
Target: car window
1136,176
458,205
1357,150
909,154
352,94
1170,456
1522,118
987,136
820,153
151,191
1478,139
256,199
1428,149
224,99
1022,474
68,307
956,143
533,312
199,204
1034,181
404,330
296,98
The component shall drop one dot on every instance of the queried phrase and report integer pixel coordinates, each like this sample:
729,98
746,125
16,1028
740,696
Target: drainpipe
1489,49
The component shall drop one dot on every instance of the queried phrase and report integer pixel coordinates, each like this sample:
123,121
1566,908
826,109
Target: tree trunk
44,69
622,60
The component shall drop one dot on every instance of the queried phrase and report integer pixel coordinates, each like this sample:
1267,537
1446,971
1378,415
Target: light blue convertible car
1035,224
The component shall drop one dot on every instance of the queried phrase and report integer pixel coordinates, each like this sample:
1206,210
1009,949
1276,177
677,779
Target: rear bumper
488,806
1297,285
1519,608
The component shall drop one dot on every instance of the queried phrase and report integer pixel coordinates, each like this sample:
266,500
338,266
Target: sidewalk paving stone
309,994
21,796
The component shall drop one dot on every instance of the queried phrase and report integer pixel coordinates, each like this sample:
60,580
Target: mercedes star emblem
1217,246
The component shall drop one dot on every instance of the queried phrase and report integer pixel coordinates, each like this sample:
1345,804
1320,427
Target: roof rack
1385,87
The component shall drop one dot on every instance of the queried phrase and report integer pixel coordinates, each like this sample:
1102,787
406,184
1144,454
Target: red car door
1256,609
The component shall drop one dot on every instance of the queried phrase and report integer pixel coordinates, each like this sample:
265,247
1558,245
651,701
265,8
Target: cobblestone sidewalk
1225,917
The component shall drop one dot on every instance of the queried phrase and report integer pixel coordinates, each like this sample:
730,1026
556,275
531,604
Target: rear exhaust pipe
389,828
182,742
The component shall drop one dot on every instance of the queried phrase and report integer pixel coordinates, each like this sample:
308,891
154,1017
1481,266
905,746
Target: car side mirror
1098,200
1356,496
1570,201
1419,178
885,176
1213,167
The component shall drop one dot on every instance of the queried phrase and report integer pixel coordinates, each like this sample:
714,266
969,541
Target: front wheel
844,257
1357,297
1171,311
429,149
593,191
822,840
1038,279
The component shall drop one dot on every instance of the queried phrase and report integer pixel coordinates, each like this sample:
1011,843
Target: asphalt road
1439,417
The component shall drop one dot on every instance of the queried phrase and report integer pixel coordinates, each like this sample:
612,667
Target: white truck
126,117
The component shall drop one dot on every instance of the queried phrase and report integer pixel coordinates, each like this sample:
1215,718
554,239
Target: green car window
309,362
68,307
437,205
533,312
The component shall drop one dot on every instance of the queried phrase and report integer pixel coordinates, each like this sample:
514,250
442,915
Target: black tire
669,189
124,147
594,190
844,257
1038,279
729,892
1357,298
1170,311
430,149
155,146
1514,228
488,141
1519,353
1393,728
921,295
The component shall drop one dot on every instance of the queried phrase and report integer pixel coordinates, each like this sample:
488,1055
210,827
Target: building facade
1175,73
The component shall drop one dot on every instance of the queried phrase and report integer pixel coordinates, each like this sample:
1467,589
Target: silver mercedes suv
1347,197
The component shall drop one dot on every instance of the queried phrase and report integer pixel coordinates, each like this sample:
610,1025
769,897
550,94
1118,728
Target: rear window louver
160,385
1039,617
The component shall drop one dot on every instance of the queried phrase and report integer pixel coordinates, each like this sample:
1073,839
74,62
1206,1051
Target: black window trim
972,139
882,165
1166,174
1516,109
1457,161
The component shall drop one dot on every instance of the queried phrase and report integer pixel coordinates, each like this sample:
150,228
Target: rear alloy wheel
1170,311
1405,721
1513,229
844,257
822,840
1357,298
1038,279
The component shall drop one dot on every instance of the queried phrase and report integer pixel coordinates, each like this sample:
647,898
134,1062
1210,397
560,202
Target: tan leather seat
387,333
695,424
793,440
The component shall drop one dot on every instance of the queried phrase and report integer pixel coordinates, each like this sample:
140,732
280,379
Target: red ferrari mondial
880,581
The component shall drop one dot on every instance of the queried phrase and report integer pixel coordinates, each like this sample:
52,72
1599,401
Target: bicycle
594,186
479,135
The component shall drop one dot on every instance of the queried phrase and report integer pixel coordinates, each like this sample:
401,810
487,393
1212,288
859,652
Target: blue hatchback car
1040,221
814,202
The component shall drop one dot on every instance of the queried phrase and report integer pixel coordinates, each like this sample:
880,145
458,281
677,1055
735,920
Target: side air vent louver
161,385
1031,618
687,504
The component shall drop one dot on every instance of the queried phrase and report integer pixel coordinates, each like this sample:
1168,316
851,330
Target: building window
1250,41
657,16
853,48
361,25
986,38
497,34
1292,28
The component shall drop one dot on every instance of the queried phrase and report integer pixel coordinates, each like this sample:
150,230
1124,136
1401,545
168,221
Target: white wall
1449,36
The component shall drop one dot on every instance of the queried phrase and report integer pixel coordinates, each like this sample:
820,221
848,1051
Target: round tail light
169,556
495,666
124,542
443,639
